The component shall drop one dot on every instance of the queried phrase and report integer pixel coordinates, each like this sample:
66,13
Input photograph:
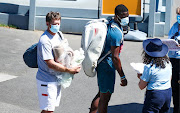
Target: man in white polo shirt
49,92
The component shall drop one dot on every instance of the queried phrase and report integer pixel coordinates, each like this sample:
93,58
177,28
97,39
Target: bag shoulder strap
113,25
60,35
109,52
102,58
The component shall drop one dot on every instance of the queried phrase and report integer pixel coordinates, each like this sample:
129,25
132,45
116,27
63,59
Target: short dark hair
53,16
120,9
158,61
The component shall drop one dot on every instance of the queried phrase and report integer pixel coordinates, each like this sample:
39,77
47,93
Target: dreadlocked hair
158,61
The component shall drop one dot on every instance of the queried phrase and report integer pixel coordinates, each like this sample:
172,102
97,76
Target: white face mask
124,21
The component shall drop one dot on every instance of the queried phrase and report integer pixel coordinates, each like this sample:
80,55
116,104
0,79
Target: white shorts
49,94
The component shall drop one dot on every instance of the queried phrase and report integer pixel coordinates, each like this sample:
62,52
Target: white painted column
32,14
151,23
168,16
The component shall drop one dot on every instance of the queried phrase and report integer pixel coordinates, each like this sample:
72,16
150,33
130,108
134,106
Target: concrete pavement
19,95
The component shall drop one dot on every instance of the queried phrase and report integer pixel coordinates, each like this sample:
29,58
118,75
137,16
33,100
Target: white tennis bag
92,42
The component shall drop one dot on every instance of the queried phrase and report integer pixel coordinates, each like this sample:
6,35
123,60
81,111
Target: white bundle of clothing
69,58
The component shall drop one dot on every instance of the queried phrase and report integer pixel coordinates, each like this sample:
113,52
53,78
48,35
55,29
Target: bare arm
139,75
142,84
117,63
59,67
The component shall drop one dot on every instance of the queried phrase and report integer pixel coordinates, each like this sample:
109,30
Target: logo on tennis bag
92,42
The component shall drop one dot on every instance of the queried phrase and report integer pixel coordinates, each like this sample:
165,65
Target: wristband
123,77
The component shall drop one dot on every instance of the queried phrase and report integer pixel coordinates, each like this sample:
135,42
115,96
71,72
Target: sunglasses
119,18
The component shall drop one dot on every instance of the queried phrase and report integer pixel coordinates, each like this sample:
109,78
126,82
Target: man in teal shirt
106,69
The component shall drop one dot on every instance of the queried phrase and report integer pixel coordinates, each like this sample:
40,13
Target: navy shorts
106,77
157,101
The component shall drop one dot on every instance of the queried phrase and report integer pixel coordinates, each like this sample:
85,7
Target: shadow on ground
127,108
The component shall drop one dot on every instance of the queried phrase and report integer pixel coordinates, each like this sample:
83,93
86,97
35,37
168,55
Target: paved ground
19,95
